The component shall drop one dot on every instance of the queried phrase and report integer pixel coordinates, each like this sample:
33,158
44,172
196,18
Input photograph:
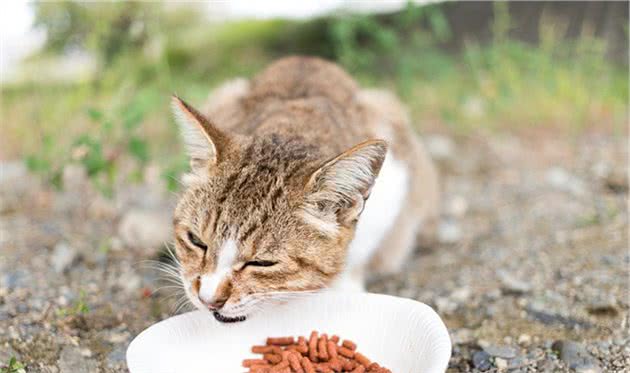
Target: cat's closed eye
197,241
260,263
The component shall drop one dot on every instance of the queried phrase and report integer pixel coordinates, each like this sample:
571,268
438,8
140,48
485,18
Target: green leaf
139,149
95,114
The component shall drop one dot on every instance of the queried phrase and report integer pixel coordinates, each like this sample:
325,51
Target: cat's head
261,219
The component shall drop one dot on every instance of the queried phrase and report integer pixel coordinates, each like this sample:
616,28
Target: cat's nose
213,304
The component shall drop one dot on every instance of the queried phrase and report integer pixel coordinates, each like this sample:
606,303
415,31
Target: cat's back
299,77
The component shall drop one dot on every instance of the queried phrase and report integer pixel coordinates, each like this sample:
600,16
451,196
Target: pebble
440,147
72,360
144,228
576,357
500,363
62,257
524,339
511,284
561,179
116,357
481,360
449,231
505,352
602,305
457,206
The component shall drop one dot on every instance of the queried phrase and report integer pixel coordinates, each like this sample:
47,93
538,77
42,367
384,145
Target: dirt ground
529,266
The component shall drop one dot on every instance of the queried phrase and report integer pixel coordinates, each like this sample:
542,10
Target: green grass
14,366
122,115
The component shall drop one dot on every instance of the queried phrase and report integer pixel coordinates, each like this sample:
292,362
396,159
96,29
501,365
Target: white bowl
400,334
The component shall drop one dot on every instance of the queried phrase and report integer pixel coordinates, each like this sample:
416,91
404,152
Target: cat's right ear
204,142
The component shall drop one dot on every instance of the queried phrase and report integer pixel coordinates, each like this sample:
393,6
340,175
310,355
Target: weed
14,366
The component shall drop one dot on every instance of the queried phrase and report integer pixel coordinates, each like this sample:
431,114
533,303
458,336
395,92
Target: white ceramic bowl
401,334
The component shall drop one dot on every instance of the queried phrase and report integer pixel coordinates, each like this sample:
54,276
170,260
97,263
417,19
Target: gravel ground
528,268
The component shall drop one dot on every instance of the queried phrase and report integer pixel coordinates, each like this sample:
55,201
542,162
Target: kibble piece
312,347
272,358
361,359
335,338
322,347
294,362
282,341
259,369
332,350
359,369
343,351
250,362
262,349
307,365
349,345
280,367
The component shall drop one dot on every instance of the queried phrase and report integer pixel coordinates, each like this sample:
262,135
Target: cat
300,180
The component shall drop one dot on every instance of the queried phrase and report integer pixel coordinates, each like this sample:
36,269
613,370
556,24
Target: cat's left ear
204,142
337,191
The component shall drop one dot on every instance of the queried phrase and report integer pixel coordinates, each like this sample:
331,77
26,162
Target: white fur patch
380,213
209,283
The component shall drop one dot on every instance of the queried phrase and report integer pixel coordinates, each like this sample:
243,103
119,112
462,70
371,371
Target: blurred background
522,105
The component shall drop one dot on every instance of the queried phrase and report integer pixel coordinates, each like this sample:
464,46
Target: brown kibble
294,362
322,347
302,346
307,365
250,362
312,347
272,358
315,354
281,341
344,351
259,369
348,365
332,350
262,349
335,364
361,359
349,345
280,367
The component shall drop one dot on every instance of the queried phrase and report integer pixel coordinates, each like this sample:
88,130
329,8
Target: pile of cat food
317,354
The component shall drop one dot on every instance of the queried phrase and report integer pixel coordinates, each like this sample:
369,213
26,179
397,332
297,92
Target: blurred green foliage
146,51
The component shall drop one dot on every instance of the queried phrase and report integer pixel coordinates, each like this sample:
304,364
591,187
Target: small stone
74,178
145,229
524,339
445,305
505,352
500,363
481,360
457,206
449,232
511,284
461,295
560,179
462,336
62,257
602,305
71,360
440,147
129,282
576,357
116,357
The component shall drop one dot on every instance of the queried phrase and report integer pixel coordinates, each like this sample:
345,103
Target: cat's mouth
228,319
